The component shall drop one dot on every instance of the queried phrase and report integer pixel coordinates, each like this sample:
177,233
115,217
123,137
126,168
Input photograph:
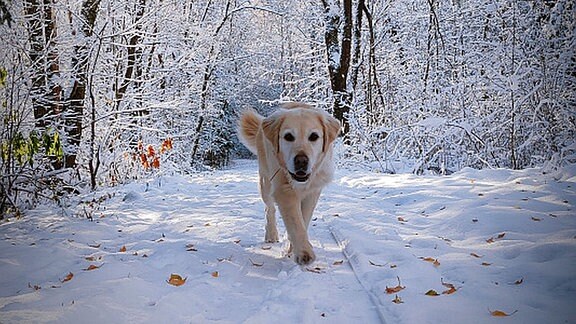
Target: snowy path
505,240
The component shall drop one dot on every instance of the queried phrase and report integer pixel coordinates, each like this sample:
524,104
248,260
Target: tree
338,39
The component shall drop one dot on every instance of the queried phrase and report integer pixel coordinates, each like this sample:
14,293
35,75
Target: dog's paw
305,257
271,237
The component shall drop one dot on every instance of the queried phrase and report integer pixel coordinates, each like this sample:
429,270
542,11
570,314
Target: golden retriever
294,149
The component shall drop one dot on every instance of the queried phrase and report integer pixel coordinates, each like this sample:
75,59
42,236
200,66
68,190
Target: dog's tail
248,126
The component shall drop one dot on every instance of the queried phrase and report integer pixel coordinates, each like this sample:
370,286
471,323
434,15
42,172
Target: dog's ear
271,127
331,127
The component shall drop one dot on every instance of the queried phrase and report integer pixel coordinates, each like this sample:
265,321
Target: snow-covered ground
485,241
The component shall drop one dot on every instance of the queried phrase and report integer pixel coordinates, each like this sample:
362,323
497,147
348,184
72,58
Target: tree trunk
46,92
80,61
338,54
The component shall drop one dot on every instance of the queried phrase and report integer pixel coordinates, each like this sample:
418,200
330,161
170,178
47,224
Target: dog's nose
301,162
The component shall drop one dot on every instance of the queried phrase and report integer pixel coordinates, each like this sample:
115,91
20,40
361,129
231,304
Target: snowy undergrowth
484,241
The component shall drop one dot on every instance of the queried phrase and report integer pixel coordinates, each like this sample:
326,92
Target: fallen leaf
493,239
68,277
315,270
486,264
536,219
446,284
91,267
499,313
401,219
519,281
432,260
90,258
432,292
176,280
123,248
94,245
475,255
35,287
397,300
376,264
237,241
451,288
393,290
256,264
190,248
338,262
215,274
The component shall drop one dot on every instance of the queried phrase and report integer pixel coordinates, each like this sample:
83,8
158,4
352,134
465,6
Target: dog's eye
289,137
313,137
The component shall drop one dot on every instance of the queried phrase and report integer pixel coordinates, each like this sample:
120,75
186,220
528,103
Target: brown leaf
475,255
451,288
338,262
499,313
123,248
393,290
401,219
536,219
432,260
493,239
519,281
486,264
90,258
397,300
68,277
446,284
432,292
176,280
91,267
215,274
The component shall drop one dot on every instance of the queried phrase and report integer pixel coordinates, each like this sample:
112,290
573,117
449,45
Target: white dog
294,148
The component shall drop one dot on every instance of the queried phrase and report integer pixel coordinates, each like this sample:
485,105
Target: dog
294,149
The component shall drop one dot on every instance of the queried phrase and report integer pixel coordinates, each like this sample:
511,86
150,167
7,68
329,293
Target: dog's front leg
297,234
308,205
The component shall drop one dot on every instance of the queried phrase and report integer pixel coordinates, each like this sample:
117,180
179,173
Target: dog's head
301,136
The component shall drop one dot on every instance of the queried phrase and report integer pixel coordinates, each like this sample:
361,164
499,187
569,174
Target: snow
369,231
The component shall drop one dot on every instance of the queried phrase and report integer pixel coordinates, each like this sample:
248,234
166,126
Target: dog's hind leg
271,230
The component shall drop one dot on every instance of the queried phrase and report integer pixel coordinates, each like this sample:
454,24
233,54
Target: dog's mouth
300,176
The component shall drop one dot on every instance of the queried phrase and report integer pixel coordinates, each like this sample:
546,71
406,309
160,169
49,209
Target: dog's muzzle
300,168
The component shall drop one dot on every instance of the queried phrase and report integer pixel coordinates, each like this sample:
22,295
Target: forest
101,92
